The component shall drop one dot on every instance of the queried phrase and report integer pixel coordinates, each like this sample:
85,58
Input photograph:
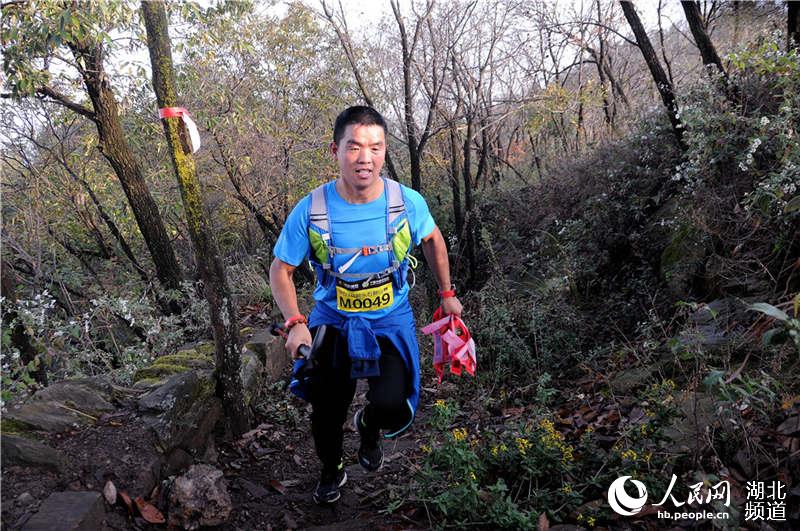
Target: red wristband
297,319
447,293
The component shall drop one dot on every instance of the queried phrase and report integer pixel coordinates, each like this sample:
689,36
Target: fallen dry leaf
543,524
149,512
110,493
126,500
277,485
261,428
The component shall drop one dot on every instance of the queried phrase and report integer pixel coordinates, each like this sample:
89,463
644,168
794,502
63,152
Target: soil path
270,473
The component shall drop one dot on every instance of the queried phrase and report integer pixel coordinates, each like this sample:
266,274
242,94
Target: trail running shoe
327,490
370,453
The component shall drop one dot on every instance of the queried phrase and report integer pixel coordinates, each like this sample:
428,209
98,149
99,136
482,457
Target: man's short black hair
358,114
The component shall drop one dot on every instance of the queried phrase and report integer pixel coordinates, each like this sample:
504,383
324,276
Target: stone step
70,511
26,452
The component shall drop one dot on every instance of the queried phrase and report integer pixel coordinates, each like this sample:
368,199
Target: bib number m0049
364,296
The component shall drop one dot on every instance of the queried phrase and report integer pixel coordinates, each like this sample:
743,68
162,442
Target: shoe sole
338,494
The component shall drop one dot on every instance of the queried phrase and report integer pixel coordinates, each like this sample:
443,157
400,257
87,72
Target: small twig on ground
76,411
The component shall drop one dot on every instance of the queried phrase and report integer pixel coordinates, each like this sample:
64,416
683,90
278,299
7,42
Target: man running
357,232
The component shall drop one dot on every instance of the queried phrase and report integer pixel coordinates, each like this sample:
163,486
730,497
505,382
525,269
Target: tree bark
224,319
662,82
415,145
469,218
114,147
707,50
458,215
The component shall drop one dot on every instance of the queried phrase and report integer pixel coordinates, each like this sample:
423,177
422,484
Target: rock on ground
68,511
199,498
26,452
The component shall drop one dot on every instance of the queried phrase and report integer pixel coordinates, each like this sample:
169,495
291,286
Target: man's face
360,153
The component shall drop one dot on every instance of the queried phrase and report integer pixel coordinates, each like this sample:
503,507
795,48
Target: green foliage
111,334
444,413
38,34
757,139
789,326
529,468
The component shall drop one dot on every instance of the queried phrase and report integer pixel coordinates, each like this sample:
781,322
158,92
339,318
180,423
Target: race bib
364,295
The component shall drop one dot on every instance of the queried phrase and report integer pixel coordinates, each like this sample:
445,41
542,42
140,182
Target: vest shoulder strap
318,214
396,203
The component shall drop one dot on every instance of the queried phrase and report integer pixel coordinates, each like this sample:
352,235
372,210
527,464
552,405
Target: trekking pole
277,329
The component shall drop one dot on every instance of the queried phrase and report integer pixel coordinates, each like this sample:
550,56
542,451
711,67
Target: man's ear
334,149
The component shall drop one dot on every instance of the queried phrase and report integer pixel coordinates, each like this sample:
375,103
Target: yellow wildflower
473,477
523,444
630,454
439,404
426,448
590,521
494,451
459,434
567,454
566,489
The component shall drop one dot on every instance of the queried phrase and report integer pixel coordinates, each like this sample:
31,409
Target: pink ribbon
450,348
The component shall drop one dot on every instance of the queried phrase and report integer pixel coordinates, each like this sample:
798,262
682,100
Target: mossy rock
159,371
206,349
186,358
16,427
147,383
183,410
181,361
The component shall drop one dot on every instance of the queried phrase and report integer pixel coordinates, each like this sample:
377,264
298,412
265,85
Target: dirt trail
270,473
275,489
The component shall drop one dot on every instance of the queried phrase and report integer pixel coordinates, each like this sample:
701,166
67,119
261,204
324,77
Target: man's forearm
281,280
435,251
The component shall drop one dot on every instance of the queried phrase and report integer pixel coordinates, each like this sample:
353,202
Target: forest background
620,203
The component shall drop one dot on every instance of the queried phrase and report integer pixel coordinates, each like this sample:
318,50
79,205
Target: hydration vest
396,247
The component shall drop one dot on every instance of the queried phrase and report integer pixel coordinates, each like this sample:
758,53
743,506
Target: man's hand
452,306
298,335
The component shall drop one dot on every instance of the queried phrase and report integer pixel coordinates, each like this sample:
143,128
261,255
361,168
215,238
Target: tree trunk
793,26
662,82
224,319
115,148
469,218
408,104
458,214
707,50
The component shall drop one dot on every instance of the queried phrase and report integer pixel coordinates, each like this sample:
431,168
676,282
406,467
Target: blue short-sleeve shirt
353,225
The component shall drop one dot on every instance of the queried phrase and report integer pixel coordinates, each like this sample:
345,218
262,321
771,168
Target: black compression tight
333,389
